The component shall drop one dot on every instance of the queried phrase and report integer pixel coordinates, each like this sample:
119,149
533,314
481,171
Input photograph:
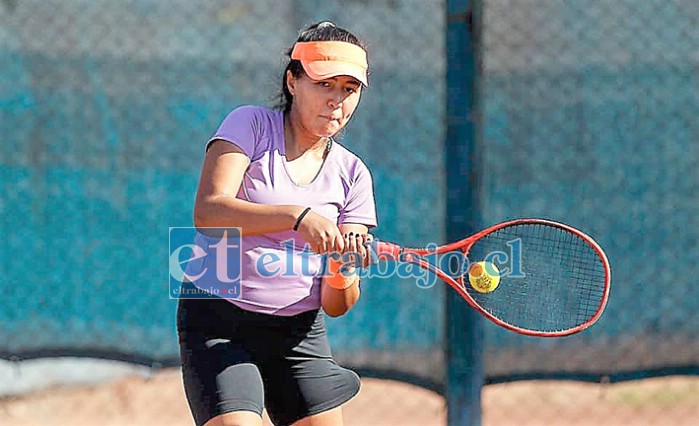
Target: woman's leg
236,418
222,383
233,395
305,386
309,392
331,417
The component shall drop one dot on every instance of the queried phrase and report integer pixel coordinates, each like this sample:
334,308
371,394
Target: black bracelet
301,216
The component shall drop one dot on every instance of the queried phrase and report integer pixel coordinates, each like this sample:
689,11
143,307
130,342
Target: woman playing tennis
279,176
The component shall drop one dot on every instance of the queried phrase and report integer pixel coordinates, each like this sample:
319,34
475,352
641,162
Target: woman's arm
337,302
216,204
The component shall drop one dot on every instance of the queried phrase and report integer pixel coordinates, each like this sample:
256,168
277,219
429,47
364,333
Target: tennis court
160,400
477,112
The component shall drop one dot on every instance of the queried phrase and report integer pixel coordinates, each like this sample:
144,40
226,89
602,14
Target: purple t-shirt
342,192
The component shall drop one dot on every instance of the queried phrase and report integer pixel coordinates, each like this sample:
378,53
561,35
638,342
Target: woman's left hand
358,243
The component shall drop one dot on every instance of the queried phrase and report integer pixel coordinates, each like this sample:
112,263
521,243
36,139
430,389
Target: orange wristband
336,279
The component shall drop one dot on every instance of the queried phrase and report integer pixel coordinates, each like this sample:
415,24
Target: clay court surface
159,400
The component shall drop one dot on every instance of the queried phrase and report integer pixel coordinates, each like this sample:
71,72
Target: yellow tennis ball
484,277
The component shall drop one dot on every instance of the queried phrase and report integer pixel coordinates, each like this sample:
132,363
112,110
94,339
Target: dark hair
322,31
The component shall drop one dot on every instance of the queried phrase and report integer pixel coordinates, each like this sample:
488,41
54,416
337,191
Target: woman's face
324,106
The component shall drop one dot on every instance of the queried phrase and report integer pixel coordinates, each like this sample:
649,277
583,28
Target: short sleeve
241,127
360,206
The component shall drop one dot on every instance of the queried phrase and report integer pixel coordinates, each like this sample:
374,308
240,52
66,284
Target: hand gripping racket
554,279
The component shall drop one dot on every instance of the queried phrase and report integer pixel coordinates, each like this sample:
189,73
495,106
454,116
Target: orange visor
325,59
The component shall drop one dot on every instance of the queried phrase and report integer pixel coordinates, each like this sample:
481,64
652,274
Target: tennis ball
484,277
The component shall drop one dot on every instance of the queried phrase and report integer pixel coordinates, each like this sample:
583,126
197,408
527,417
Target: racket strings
562,283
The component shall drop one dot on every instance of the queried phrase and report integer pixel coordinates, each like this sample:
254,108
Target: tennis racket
555,283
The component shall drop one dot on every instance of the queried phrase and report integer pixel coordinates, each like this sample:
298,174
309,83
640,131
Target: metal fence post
464,330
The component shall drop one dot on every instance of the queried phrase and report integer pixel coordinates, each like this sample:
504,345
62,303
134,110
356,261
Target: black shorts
233,359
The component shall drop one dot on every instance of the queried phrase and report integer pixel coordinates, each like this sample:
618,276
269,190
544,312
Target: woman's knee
331,417
236,418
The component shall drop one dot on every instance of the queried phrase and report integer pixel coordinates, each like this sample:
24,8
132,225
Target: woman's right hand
321,233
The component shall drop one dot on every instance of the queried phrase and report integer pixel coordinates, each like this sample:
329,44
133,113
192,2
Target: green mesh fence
104,111
588,117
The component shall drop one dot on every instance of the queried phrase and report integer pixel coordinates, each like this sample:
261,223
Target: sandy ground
160,400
